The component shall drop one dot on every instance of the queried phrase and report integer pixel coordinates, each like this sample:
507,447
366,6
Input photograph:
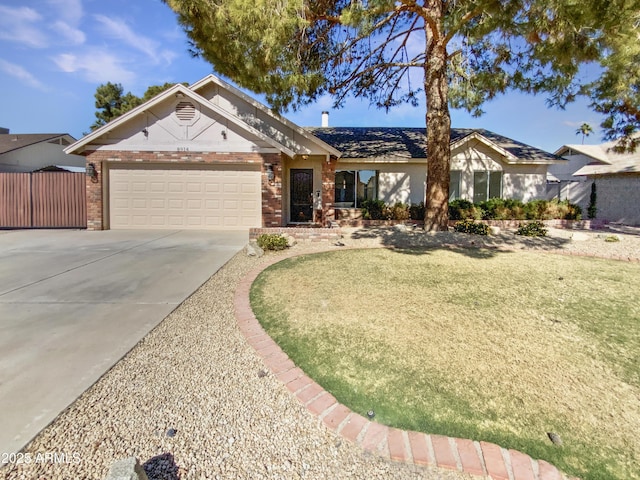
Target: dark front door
301,195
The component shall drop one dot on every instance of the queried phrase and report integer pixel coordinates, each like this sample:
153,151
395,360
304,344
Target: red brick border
467,456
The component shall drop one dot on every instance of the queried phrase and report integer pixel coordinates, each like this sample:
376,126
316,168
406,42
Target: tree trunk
438,120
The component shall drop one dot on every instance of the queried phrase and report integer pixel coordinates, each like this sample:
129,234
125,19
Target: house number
183,149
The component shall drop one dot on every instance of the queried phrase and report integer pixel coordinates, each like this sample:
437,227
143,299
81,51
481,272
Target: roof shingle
407,143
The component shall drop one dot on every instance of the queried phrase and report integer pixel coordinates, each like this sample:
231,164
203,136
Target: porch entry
301,197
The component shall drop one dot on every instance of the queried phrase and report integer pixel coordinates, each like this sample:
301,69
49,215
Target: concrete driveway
72,303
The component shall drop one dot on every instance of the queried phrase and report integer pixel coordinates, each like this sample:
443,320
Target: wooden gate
43,200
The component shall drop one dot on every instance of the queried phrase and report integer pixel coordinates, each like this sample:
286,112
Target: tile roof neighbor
408,143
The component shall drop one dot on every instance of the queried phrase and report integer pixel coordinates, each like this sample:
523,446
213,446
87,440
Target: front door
301,195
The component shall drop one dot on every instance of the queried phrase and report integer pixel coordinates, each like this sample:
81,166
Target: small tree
592,210
111,101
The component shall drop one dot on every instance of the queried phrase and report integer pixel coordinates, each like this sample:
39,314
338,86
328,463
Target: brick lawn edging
299,233
467,456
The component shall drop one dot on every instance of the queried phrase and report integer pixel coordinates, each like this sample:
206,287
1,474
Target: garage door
185,199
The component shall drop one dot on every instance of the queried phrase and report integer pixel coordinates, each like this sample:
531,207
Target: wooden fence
43,200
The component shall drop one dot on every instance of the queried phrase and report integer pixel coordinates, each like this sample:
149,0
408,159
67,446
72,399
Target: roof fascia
77,147
178,88
212,79
510,158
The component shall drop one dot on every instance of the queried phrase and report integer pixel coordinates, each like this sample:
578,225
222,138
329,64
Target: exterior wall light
92,173
271,176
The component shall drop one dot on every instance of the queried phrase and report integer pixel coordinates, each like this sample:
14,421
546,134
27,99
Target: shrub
469,226
569,211
373,210
612,239
533,229
502,209
537,210
592,209
397,211
272,241
461,209
417,211
511,209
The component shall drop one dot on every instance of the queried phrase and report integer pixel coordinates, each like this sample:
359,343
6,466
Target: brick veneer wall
271,191
328,190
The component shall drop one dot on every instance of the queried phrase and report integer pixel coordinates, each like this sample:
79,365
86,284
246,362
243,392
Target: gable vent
185,111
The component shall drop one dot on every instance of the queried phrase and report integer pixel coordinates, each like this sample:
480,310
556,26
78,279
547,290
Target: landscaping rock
579,237
400,228
127,469
291,241
555,438
493,230
253,250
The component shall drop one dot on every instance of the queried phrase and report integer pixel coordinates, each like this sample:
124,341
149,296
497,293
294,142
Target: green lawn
501,347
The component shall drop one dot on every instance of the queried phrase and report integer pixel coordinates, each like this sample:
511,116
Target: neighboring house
209,156
617,178
28,152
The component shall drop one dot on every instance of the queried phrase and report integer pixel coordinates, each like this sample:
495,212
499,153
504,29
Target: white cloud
70,10
21,74
19,25
71,34
569,123
119,30
95,66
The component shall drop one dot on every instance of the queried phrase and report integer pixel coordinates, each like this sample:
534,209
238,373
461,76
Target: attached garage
205,156
158,197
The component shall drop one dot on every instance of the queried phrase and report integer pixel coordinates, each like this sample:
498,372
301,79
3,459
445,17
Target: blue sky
54,53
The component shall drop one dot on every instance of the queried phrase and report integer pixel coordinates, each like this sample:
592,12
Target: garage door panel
195,199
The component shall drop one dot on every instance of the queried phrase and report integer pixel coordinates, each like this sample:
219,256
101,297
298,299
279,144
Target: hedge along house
210,157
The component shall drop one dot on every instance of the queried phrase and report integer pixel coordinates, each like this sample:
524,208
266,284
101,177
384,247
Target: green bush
373,209
502,209
469,226
461,209
568,211
511,209
378,210
533,229
272,241
417,211
397,211
592,209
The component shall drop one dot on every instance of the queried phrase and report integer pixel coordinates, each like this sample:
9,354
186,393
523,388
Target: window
486,185
454,184
355,186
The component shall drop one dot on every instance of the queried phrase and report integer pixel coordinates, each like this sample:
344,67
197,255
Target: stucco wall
397,182
564,171
37,156
406,181
524,183
577,192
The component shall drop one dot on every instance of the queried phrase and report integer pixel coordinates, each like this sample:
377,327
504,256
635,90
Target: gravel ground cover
192,400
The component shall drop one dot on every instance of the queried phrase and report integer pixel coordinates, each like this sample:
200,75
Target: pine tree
464,53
